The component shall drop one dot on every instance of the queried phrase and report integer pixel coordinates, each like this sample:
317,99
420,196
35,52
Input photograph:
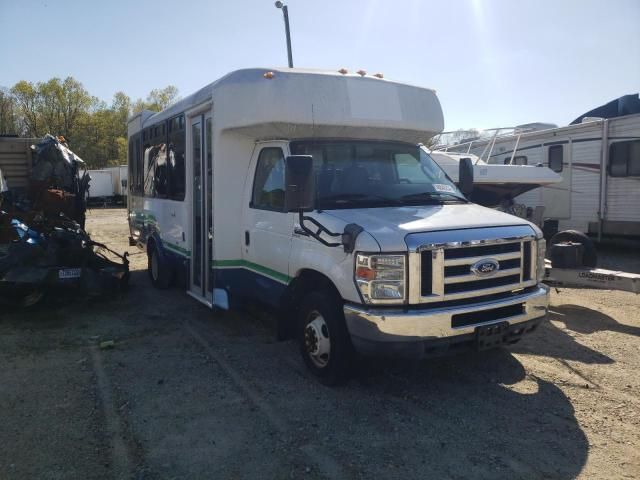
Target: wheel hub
316,340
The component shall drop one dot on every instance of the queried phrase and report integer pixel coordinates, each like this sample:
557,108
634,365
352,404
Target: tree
28,101
158,99
51,107
95,130
9,124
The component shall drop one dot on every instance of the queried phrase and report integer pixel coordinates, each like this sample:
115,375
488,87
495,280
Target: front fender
332,262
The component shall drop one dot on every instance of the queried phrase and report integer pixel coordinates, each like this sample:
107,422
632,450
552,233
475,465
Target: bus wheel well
307,281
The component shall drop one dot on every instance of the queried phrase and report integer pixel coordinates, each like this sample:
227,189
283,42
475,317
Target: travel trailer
310,191
599,162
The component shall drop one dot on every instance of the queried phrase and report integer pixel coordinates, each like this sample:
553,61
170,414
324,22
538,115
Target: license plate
69,273
490,336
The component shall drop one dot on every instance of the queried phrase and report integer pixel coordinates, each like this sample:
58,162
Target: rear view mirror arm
318,233
348,237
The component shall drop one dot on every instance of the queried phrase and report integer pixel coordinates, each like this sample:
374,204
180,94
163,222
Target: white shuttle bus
310,191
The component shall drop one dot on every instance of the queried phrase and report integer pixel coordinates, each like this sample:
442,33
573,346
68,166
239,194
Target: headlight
541,252
381,278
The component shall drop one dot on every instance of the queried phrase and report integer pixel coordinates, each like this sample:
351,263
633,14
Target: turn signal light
268,75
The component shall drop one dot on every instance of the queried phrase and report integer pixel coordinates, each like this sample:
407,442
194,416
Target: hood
389,226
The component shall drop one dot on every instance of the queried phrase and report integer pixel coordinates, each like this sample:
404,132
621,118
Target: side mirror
299,183
465,176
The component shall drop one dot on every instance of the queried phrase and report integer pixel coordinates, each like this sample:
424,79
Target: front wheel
324,340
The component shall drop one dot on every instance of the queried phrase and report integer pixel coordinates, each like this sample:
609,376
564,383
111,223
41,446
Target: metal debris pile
43,247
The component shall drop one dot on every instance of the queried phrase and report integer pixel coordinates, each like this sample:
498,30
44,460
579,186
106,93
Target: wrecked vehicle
47,179
43,247
34,264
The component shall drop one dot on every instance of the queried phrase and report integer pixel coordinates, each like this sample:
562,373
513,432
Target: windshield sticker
443,188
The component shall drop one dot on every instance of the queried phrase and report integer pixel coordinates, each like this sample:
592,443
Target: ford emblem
485,267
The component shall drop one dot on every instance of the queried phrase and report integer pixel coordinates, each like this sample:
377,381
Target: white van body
101,185
210,231
599,161
109,185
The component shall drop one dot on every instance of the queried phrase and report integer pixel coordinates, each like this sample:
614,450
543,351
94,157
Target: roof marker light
343,71
378,75
362,73
268,75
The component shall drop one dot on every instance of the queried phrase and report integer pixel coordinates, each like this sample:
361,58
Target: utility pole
285,13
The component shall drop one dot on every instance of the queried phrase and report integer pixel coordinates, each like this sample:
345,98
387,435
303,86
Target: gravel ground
188,393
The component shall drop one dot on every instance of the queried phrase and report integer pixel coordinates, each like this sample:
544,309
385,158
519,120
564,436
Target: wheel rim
154,266
317,342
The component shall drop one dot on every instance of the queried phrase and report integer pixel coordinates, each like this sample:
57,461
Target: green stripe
253,266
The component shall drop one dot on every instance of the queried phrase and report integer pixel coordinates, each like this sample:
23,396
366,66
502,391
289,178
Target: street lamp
285,13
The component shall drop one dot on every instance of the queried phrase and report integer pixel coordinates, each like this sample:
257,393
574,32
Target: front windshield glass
353,174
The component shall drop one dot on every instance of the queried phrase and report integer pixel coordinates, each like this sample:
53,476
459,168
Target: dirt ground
188,393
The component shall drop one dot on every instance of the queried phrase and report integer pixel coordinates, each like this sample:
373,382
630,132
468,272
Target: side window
624,159
268,185
134,163
131,161
137,187
176,158
161,171
555,158
517,160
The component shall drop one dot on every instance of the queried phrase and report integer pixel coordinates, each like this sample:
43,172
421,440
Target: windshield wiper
357,197
434,195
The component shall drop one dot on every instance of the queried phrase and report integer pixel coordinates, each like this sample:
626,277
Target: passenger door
268,228
200,156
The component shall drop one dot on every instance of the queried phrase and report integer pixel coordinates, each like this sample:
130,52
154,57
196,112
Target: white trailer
108,185
121,181
100,187
599,161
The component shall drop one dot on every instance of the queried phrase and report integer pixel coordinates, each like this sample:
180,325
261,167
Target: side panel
623,193
585,186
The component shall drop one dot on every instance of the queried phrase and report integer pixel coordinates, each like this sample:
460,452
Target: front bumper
425,332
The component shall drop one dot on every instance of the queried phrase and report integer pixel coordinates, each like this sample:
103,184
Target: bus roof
294,103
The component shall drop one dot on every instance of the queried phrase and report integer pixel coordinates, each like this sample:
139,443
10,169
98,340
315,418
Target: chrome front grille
443,269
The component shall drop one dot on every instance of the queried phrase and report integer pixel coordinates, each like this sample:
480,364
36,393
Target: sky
492,62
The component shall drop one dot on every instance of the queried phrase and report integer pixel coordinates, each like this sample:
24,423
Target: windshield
373,174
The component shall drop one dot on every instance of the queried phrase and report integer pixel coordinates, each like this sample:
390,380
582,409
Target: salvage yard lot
186,393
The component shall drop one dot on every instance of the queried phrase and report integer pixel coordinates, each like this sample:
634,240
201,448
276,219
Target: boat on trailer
496,185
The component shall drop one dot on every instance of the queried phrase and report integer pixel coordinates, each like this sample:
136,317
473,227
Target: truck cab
387,257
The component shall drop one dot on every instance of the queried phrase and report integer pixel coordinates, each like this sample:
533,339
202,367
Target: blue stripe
243,283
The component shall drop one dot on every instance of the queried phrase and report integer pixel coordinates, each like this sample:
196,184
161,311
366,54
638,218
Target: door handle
247,239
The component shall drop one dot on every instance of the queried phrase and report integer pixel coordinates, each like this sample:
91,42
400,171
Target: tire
590,255
325,344
159,271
